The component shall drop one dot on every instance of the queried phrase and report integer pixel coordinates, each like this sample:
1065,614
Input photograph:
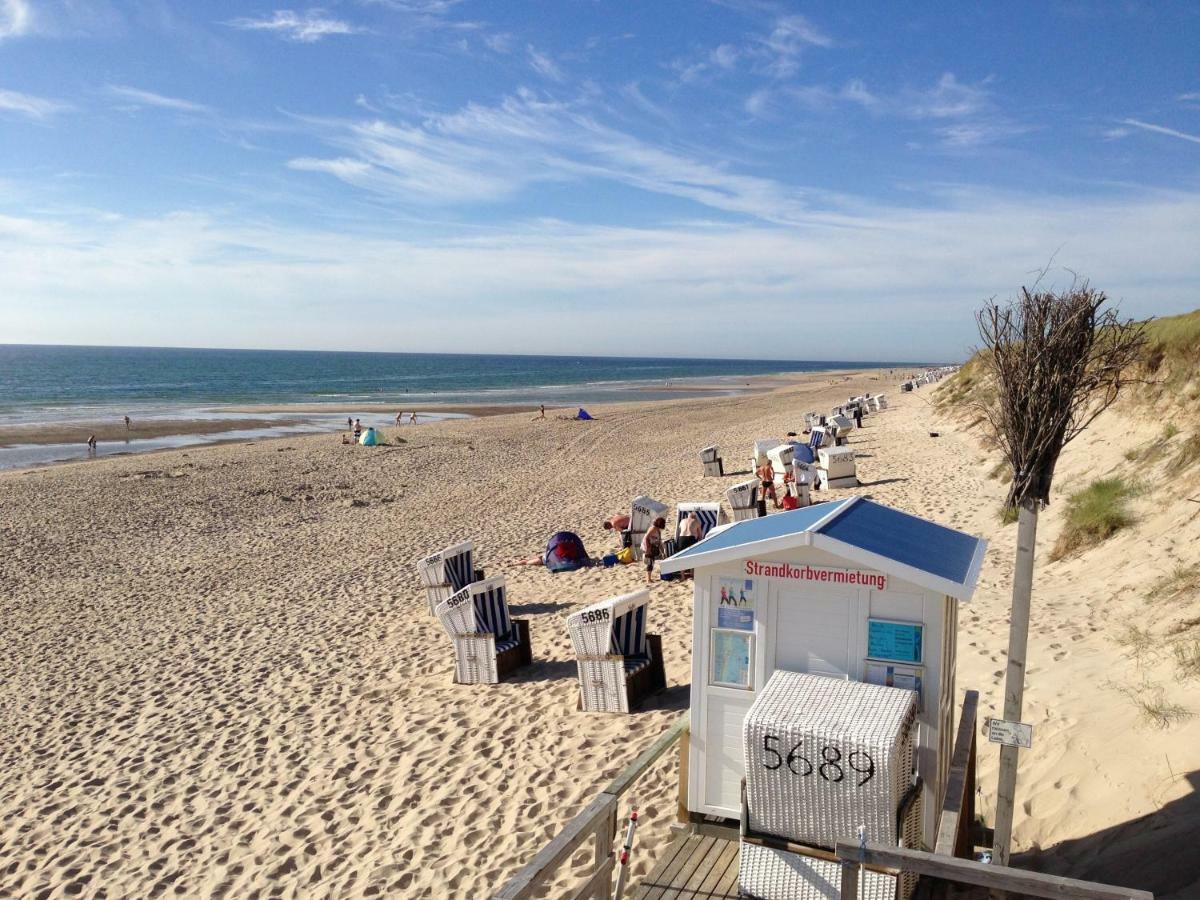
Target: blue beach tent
582,415
565,552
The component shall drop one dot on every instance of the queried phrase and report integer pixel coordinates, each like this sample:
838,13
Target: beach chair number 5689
830,767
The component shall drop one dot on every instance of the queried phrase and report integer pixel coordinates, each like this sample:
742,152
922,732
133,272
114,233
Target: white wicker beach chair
743,500
710,460
643,511
488,644
448,571
825,756
619,663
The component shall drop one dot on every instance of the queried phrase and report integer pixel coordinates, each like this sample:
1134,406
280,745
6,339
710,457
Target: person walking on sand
400,417
766,474
91,443
652,546
412,417
127,423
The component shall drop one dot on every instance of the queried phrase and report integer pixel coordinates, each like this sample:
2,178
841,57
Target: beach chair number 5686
594,615
830,767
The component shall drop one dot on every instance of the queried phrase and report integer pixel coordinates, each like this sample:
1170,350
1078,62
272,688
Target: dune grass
1152,704
1094,514
1183,582
1186,456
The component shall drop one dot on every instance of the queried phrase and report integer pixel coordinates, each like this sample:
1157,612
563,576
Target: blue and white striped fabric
629,633
816,439
707,517
460,570
491,612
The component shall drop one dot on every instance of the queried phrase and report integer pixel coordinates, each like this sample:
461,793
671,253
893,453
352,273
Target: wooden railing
598,823
956,822
964,871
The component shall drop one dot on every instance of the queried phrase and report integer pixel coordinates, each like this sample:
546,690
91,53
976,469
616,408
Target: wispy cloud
1190,97
488,153
500,42
305,28
1162,129
136,98
683,279
16,18
543,64
789,37
30,106
775,52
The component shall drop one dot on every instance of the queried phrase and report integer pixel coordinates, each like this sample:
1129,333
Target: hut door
813,632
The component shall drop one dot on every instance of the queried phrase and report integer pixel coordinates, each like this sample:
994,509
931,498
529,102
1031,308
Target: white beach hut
849,589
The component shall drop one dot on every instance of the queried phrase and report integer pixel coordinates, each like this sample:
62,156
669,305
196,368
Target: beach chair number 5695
830,767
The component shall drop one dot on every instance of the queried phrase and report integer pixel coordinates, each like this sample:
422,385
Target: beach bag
625,555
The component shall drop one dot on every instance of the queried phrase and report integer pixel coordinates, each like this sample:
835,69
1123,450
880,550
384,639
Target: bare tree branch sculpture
1057,361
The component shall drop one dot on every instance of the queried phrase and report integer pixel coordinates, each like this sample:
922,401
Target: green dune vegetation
1141,479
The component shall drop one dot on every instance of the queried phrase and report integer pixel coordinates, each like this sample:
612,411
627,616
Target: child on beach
652,546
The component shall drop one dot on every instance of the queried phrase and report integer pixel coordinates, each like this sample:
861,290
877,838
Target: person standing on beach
652,546
412,418
357,430
400,417
91,443
127,423
349,422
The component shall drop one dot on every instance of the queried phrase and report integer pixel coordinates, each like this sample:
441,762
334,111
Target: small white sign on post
1013,734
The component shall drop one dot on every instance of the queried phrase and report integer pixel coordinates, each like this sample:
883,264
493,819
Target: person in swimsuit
652,547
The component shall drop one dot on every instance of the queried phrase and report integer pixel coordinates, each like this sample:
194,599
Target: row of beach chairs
619,662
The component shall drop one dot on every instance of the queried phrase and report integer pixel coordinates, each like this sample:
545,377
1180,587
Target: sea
64,385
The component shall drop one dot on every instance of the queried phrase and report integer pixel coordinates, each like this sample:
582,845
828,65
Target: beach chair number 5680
830,767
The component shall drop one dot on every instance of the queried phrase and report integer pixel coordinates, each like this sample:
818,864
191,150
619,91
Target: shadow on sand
1156,852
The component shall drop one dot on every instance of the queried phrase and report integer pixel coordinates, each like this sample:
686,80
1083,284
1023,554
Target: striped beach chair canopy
480,608
454,566
612,627
708,513
817,438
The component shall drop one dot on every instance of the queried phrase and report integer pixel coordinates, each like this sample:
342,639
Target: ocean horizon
53,396
84,383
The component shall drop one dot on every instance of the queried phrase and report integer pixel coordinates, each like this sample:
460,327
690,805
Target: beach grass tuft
1152,703
1187,455
1187,657
1183,581
1008,514
1094,514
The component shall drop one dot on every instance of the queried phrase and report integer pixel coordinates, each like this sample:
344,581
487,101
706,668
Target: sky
712,178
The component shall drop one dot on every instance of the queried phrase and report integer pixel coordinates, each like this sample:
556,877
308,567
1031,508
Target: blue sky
731,178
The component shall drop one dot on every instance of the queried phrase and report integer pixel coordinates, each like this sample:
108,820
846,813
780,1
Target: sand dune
221,676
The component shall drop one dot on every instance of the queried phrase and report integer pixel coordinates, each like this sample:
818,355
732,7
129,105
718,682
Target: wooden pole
1014,680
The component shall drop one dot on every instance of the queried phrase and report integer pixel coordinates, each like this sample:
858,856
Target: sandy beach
220,677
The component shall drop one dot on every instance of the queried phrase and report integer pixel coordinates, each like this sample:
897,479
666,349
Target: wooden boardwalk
694,866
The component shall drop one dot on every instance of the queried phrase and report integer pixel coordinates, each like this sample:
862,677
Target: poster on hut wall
731,653
909,678
736,604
